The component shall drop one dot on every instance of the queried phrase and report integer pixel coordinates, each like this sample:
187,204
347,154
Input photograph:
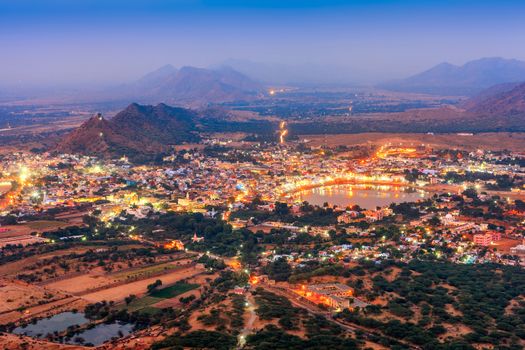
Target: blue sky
97,41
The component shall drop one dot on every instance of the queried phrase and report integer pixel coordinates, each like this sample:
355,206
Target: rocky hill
137,130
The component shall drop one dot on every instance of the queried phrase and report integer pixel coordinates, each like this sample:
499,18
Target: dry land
17,294
486,141
18,342
139,287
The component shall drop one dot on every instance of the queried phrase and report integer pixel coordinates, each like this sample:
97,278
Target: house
373,215
347,217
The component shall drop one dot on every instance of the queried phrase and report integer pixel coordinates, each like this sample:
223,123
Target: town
309,235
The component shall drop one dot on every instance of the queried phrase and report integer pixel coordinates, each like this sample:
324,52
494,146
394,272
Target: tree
130,298
470,193
520,205
281,209
151,287
434,221
279,270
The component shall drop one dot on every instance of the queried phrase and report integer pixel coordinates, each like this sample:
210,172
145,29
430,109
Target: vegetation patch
173,291
271,338
197,340
271,306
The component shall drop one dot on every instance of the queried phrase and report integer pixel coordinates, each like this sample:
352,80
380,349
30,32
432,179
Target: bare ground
486,141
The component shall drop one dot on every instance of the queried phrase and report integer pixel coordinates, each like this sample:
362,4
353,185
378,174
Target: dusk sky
82,41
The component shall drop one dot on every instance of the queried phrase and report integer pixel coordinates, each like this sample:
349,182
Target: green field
173,291
144,304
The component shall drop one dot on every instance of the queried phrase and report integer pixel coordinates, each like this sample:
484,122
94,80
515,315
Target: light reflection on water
366,196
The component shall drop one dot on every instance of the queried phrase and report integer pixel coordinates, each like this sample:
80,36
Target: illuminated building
175,244
195,238
334,295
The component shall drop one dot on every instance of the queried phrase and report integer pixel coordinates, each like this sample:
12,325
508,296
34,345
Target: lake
366,196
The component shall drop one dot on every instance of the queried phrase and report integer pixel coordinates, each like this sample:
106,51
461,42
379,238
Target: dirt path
248,328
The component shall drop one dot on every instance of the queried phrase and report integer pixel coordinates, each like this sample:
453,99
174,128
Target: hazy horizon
109,42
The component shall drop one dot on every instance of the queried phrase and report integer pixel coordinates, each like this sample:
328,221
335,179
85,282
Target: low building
334,295
519,249
373,215
347,217
464,227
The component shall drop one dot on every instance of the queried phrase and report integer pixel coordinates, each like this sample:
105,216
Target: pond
96,335
366,196
57,323
102,332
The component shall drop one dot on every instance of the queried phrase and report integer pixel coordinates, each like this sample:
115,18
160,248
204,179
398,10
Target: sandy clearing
139,287
81,283
15,294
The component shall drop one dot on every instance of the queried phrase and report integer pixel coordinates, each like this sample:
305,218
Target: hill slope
506,100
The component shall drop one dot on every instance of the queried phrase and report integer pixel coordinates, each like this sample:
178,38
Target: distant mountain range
187,86
468,79
137,130
141,132
190,86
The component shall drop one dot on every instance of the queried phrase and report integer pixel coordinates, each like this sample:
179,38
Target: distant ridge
157,77
191,86
468,79
500,108
137,130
